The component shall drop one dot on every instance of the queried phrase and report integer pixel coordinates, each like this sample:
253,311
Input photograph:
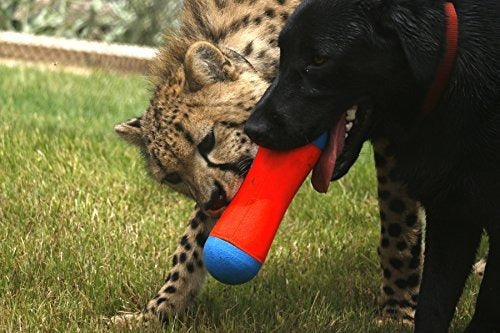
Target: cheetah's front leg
400,247
184,280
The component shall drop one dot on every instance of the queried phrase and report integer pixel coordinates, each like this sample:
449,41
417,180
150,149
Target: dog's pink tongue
322,172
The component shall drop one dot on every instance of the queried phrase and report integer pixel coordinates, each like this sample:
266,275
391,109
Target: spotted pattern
186,277
184,280
400,249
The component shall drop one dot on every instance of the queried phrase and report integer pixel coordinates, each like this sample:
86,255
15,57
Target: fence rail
77,53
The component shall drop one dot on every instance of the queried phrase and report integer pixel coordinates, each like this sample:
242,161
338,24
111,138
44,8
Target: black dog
382,55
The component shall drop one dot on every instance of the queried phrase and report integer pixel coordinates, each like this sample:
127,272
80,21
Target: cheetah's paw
129,320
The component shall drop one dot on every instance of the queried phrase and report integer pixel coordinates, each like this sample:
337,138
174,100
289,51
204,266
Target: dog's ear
130,131
205,64
419,28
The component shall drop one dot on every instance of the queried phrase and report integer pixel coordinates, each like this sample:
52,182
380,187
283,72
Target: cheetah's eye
172,178
319,60
207,144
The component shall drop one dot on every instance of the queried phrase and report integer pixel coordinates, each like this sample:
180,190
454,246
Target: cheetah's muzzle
218,201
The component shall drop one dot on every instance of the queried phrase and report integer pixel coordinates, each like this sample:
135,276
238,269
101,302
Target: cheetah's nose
218,201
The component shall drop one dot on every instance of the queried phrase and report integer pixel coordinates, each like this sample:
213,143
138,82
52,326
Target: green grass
84,233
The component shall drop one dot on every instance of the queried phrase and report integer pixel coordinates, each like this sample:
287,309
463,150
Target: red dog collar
444,70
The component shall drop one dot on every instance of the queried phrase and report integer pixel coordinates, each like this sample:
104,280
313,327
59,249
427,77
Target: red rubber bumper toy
238,244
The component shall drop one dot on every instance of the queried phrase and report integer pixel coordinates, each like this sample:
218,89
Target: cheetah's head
191,135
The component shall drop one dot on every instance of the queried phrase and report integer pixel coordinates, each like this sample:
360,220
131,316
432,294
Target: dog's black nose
257,131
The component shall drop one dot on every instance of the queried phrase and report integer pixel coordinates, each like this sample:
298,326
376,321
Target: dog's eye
172,178
319,60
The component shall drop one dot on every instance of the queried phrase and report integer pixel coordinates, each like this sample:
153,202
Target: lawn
85,233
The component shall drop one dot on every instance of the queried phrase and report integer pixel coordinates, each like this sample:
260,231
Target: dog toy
240,240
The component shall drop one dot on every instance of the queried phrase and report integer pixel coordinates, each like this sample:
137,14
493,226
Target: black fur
382,55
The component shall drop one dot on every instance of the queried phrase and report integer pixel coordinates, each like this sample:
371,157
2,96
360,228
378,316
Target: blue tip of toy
322,141
227,263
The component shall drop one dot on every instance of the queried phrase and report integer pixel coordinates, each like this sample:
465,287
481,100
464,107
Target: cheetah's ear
206,64
130,131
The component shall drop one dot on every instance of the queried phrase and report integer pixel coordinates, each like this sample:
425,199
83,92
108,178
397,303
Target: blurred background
138,22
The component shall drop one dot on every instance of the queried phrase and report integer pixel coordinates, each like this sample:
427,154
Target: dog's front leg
451,241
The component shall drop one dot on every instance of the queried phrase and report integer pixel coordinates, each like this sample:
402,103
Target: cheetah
207,80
